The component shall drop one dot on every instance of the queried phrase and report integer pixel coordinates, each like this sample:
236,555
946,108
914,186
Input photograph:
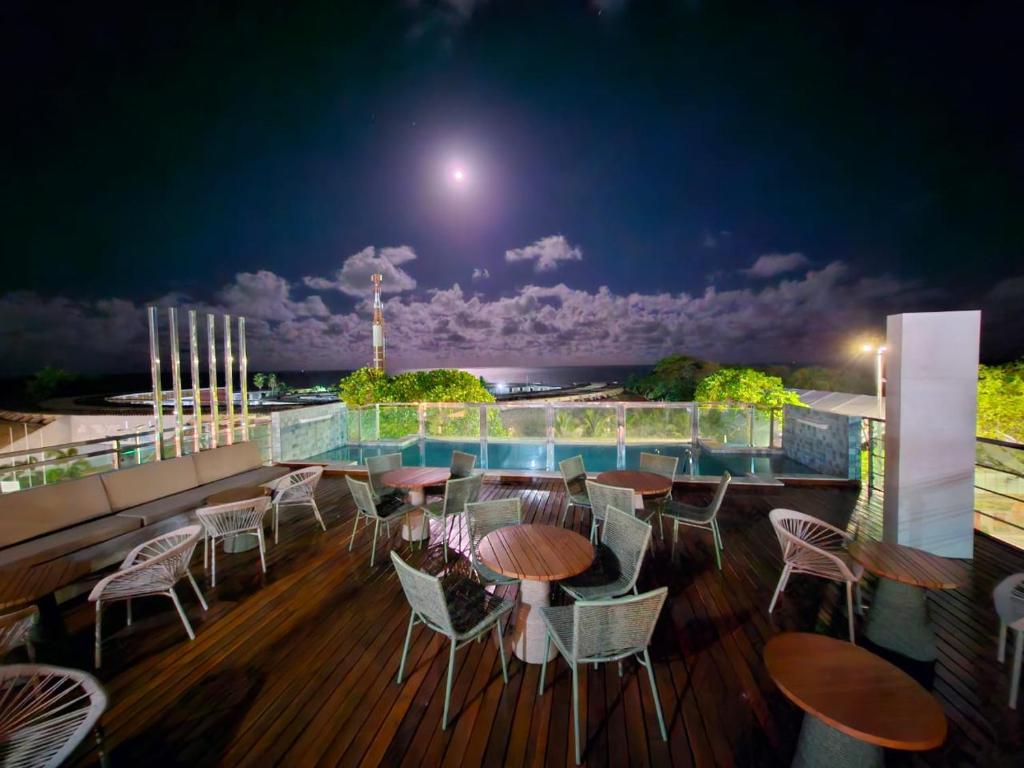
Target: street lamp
879,351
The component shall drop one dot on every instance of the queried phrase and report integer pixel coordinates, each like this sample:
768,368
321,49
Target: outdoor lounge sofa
98,518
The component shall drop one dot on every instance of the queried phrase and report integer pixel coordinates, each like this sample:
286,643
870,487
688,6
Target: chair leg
1018,651
576,709
206,547
316,511
565,514
849,609
128,611
654,692
501,651
405,648
718,546
213,561
263,546
181,613
444,535
544,665
448,686
779,587
99,621
1001,654
373,549
355,527
195,587
675,536
277,520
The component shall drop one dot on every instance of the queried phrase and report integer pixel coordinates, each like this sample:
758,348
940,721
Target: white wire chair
1008,597
151,569
45,712
16,631
574,475
483,517
462,612
627,538
296,489
377,466
457,493
223,521
369,508
600,631
705,518
665,466
814,547
603,496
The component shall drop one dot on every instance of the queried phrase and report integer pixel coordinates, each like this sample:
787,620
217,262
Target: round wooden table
856,702
643,483
898,619
413,480
537,555
243,542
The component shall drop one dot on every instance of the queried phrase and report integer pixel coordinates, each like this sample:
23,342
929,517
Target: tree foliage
745,385
674,378
442,385
1001,401
47,382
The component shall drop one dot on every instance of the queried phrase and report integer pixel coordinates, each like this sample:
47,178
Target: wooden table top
231,495
415,477
536,552
644,483
19,586
855,691
908,565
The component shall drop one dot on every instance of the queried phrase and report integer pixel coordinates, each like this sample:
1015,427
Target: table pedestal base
529,637
898,621
243,542
822,745
415,527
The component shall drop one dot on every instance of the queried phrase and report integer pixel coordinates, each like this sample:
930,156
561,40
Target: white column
930,414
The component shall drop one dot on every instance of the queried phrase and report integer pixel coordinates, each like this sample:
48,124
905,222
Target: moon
458,175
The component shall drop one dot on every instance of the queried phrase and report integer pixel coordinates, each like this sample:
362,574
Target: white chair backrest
297,485
659,464
459,491
225,519
603,496
1008,597
45,712
809,544
362,495
483,517
719,497
152,567
425,595
378,465
462,464
628,537
608,629
15,628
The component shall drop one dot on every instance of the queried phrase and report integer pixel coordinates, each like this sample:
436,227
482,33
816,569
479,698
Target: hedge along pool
533,455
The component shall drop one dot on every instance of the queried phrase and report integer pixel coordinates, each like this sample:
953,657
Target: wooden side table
855,702
537,555
898,618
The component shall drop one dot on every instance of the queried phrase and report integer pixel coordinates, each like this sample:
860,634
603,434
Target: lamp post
879,351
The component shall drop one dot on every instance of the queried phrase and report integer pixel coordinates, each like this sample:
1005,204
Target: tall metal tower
378,325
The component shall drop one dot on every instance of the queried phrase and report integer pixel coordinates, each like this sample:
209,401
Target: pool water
597,458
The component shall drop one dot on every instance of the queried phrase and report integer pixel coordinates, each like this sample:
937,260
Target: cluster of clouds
784,308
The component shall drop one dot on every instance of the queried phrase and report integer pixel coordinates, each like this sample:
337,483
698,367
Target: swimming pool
524,455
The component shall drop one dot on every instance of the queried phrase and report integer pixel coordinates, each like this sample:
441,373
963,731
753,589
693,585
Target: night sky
749,182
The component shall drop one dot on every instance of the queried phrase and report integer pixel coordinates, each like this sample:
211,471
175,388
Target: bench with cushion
101,517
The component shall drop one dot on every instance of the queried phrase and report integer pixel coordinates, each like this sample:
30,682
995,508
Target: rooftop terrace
298,668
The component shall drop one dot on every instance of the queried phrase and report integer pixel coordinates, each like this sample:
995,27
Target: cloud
354,276
547,252
481,273
773,264
266,295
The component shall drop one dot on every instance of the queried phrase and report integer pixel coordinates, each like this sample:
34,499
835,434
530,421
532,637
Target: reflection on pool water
597,458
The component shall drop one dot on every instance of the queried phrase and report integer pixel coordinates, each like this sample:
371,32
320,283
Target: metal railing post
694,425
154,372
771,428
243,378
549,433
179,413
229,382
483,434
116,445
620,435
421,418
376,408
211,343
750,426
197,397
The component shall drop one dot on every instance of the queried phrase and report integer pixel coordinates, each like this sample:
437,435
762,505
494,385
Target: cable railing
49,464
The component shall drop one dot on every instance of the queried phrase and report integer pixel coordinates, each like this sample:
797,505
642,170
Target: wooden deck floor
298,668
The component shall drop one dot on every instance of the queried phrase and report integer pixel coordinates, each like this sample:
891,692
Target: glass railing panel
516,422
457,420
762,422
724,426
597,457
398,422
649,424
585,424
518,455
